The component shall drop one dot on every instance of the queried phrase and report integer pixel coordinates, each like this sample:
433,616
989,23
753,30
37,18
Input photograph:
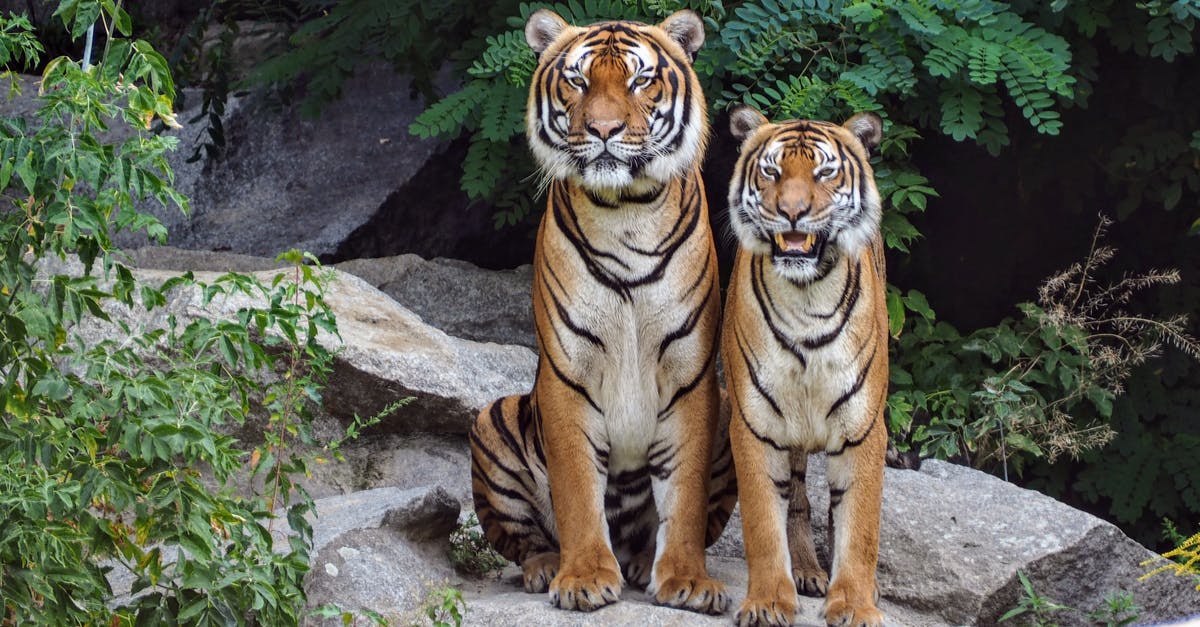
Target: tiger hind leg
810,578
722,482
511,490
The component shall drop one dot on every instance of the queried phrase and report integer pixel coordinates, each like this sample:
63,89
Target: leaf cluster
1029,388
116,450
470,552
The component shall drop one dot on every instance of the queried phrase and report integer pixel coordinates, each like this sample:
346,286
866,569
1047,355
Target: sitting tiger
804,344
605,467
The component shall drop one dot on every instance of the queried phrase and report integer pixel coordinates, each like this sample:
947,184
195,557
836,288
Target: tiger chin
804,344
616,468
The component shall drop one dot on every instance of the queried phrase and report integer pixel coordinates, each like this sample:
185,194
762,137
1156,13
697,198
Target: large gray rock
458,297
455,296
380,549
953,538
384,353
287,181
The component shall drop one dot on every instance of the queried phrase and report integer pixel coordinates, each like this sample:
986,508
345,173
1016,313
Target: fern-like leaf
484,166
446,117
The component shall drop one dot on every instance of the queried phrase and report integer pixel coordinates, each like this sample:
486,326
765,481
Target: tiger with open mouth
804,344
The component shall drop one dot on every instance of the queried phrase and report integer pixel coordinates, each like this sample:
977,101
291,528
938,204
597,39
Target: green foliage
815,59
470,552
103,441
1117,610
1036,609
444,607
1034,387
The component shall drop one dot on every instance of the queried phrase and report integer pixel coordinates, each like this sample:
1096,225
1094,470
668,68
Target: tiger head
803,191
615,106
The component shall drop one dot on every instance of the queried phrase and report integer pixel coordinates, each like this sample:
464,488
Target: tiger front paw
585,591
839,611
811,582
637,572
699,594
539,570
760,612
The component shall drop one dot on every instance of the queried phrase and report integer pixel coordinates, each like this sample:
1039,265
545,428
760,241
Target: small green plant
470,552
1036,609
445,606
1117,609
348,617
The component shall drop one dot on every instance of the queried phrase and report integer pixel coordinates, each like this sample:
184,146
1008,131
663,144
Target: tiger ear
686,29
543,27
744,120
868,128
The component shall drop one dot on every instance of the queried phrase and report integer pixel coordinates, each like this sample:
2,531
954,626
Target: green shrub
470,552
115,455
1025,388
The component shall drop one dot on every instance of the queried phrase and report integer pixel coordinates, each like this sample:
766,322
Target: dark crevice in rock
431,216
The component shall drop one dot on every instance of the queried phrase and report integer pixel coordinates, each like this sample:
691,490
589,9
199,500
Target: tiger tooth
810,241
780,242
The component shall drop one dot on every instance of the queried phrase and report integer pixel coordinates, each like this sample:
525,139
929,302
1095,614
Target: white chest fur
630,284
810,361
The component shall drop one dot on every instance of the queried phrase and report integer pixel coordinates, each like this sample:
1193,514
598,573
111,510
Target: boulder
380,548
288,181
460,298
284,180
953,538
455,296
384,353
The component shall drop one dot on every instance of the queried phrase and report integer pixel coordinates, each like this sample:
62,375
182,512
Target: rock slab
383,353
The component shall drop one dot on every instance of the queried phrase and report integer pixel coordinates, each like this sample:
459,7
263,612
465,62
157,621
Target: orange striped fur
804,344
616,467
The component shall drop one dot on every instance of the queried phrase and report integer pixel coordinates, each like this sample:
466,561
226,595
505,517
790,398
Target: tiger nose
793,209
605,128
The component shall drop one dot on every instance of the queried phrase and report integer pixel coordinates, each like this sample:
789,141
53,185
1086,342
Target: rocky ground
952,540
454,337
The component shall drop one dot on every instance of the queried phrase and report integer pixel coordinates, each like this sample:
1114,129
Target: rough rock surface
288,181
953,539
455,296
461,299
379,548
285,181
385,353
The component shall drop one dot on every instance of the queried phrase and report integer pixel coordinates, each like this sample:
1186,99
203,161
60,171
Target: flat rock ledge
952,541
384,353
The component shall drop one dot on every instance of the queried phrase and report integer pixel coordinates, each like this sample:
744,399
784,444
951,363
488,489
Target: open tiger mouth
798,244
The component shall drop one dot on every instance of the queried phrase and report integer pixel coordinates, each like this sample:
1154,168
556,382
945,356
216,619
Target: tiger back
602,473
804,344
